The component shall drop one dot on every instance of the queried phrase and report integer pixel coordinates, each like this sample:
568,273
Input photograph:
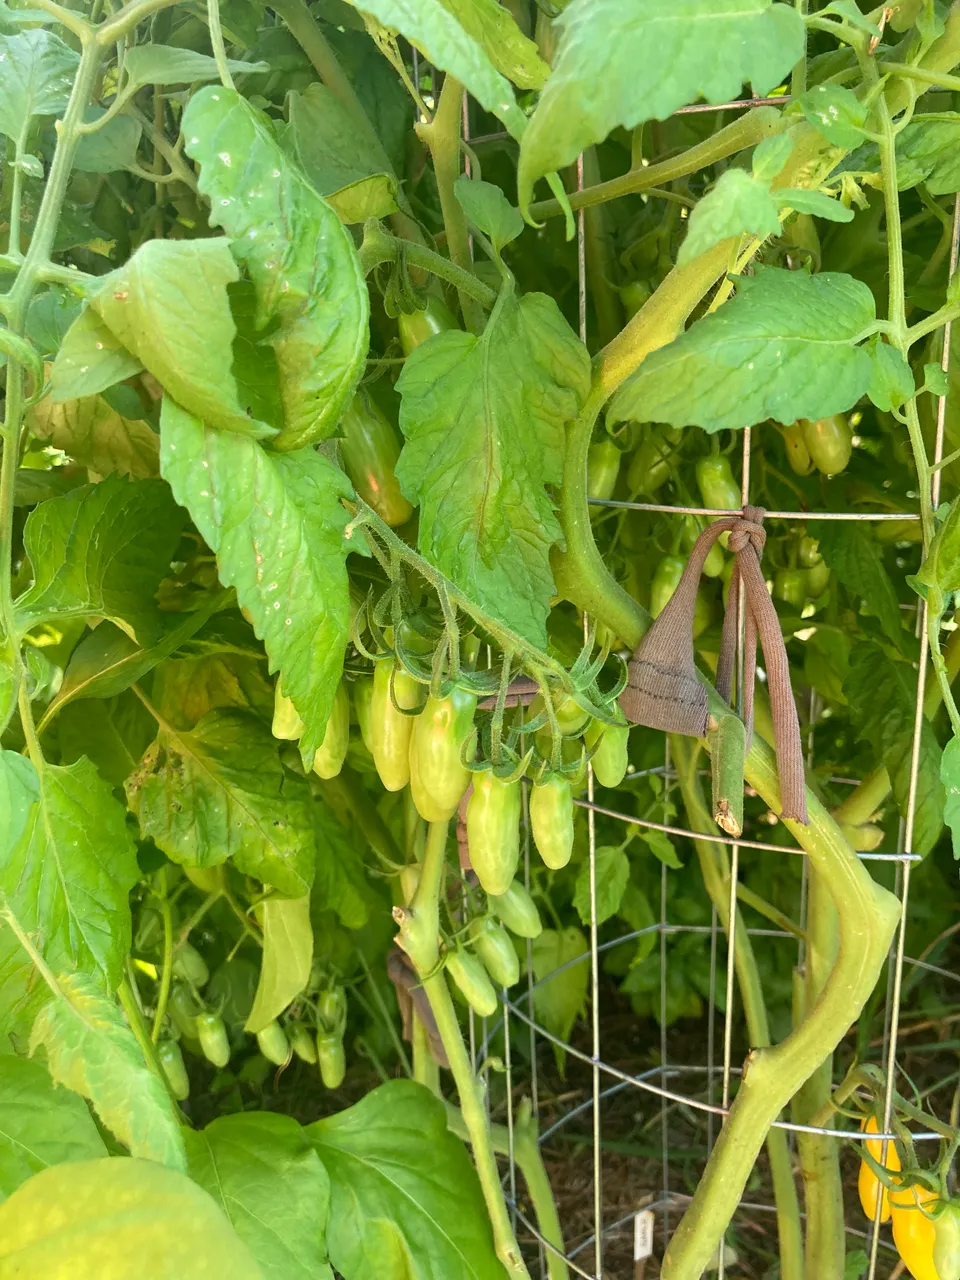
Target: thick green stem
378,247
442,137
141,1033
419,936
746,131
314,44
715,869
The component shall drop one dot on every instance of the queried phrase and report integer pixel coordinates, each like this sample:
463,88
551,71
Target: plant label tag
643,1235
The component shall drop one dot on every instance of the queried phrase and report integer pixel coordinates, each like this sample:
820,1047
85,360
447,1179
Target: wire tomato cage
663,1083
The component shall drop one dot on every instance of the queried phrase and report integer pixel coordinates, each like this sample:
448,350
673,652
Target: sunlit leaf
287,957
737,204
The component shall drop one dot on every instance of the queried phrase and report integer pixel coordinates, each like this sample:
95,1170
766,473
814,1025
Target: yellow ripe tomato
868,1184
914,1233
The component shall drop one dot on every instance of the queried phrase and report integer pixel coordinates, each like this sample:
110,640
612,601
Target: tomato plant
371,381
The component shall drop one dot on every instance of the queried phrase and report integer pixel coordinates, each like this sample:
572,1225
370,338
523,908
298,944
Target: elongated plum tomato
653,461
332,1059
212,1035
332,751
493,830
610,758
171,1060
438,777
551,821
666,579
492,944
946,1242
718,489
518,911
471,978
416,327
302,1043
273,1044
798,455
829,442
868,1184
370,450
287,724
390,730
603,467
914,1234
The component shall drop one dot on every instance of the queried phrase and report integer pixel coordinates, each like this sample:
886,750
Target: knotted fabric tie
663,690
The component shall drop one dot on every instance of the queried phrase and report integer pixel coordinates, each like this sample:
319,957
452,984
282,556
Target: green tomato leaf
49,316
783,348
484,424
561,967
219,791
90,359
168,64
928,151
892,382
287,957
815,203
950,779
613,872
489,210
848,9
310,287
276,524
836,113
95,435
91,1218
112,147
38,72
621,62
661,846
341,155
405,1200
67,864
495,30
857,561
101,549
737,204
92,1051
265,1175
340,883
168,305
111,732
940,571
770,156
40,1125
435,28
882,695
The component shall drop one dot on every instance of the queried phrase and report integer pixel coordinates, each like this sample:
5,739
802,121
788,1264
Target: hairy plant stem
166,968
715,869
378,247
419,931
442,138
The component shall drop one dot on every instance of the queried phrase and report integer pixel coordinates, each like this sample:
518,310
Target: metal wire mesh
664,1082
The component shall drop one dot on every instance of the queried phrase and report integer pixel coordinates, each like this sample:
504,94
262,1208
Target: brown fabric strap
663,689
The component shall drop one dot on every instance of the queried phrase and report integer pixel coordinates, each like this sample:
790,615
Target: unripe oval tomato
273,1044
493,830
818,579
808,552
183,1009
332,1008
571,717
362,699
829,442
666,579
610,758
946,1243
171,1060
868,1184
634,295
790,586
417,326
551,821
212,1035
492,944
470,976
713,565
913,1233
438,778
651,465
206,879
332,751
798,455
718,489
332,1059
391,730
286,719
603,467
370,451
302,1043
190,965
517,910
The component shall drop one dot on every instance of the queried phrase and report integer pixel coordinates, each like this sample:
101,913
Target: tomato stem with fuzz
419,936
166,968
442,138
715,869
379,247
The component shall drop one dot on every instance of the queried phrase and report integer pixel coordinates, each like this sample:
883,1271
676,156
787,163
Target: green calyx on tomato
212,1034
416,327
551,821
330,755
829,442
171,1060
518,911
609,759
603,467
332,1059
471,979
273,1044
287,724
493,830
370,450
492,944
390,729
441,733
